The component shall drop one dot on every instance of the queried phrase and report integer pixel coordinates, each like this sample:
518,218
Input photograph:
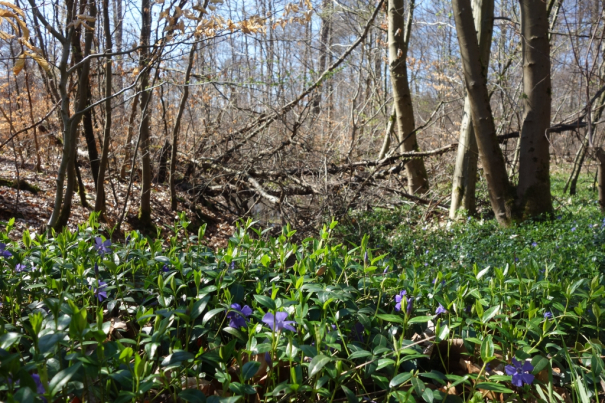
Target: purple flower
398,299
385,270
547,315
435,281
440,310
102,247
365,258
268,359
534,244
237,317
99,290
96,270
127,239
520,371
278,322
573,229
357,332
20,267
39,387
3,252
165,268
232,267
410,306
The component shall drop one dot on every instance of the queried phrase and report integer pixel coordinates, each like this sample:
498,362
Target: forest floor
32,207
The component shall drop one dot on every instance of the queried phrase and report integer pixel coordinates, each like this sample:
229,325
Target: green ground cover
433,313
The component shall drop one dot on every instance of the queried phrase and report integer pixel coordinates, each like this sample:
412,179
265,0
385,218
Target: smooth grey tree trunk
533,190
465,170
500,191
416,172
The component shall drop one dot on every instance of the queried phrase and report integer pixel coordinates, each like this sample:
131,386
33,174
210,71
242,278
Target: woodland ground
389,305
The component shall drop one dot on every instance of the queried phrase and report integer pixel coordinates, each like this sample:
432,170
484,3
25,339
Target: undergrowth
439,313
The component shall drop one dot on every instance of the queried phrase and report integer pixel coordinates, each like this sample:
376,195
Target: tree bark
572,182
177,127
144,60
500,191
100,205
130,132
78,55
398,45
533,190
324,48
465,171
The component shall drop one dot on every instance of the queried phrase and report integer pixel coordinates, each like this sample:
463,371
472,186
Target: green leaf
360,354
490,313
210,314
192,396
418,385
487,349
48,341
391,318
420,319
266,302
25,395
483,272
177,357
399,379
61,378
596,365
495,387
444,332
199,307
8,339
250,369
317,363
351,397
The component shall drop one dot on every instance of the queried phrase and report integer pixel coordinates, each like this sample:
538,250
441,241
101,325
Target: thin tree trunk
145,199
500,191
81,188
398,44
177,127
31,116
572,182
465,171
81,103
78,55
100,205
324,48
130,133
533,190
387,134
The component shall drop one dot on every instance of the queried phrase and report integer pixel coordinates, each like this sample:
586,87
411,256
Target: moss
21,184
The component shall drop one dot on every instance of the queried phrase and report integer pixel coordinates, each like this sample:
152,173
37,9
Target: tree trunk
177,127
533,190
416,173
572,182
78,55
600,157
386,143
324,48
163,163
130,132
100,200
465,171
500,191
145,199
